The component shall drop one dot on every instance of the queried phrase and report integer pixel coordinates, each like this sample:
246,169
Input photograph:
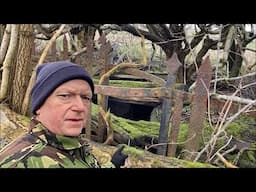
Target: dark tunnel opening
128,110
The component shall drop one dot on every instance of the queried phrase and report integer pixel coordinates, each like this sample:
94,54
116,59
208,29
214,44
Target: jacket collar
58,141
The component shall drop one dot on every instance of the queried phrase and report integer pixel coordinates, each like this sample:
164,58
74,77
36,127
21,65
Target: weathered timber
199,106
173,65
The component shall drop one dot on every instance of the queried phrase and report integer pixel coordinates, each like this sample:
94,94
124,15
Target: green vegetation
134,152
242,129
129,127
23,118
131,84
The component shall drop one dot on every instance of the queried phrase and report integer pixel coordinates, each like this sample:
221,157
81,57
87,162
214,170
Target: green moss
236,128
135,128
251,157
178,163
133,151
131,84
243,128
183,132
190,164
247,160
94,110
156,163
130,127
24,120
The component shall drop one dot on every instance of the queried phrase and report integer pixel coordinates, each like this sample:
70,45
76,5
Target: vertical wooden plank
53,53
103,100
65,48
88,66
199,106
176,118
173,65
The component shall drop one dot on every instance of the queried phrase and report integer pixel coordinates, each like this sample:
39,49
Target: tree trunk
8,61
2,28
82,37
23,68
235,60
25,104
5,43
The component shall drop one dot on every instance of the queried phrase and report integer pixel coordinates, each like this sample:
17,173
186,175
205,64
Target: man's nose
78,103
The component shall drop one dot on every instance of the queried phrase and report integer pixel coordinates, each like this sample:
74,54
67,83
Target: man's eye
86,98
64,95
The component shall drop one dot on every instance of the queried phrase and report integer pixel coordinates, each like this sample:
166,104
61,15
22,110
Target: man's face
66,110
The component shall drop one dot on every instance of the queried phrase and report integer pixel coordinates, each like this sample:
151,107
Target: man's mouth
75,120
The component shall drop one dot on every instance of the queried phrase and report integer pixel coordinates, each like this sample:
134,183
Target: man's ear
38,112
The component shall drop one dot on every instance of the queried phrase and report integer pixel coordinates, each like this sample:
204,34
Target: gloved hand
118,158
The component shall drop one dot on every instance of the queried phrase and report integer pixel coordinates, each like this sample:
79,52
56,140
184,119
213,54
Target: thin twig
170,143
226,163
220,149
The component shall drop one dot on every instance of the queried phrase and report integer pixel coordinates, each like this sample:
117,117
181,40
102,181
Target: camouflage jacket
43,149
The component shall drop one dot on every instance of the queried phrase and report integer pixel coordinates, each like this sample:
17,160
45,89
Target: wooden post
173,65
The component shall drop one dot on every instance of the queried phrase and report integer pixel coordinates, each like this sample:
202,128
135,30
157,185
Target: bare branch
227,164
170,143
233,98
135,31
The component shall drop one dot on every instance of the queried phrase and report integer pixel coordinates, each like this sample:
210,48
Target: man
61,99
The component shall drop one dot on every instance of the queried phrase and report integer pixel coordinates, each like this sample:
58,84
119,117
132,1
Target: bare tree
174,37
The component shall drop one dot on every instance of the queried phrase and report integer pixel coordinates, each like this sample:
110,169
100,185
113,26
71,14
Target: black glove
118,158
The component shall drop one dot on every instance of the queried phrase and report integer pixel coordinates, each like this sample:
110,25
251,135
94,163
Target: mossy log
138,158
136,133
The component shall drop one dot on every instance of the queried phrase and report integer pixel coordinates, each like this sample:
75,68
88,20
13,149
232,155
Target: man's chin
73,132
